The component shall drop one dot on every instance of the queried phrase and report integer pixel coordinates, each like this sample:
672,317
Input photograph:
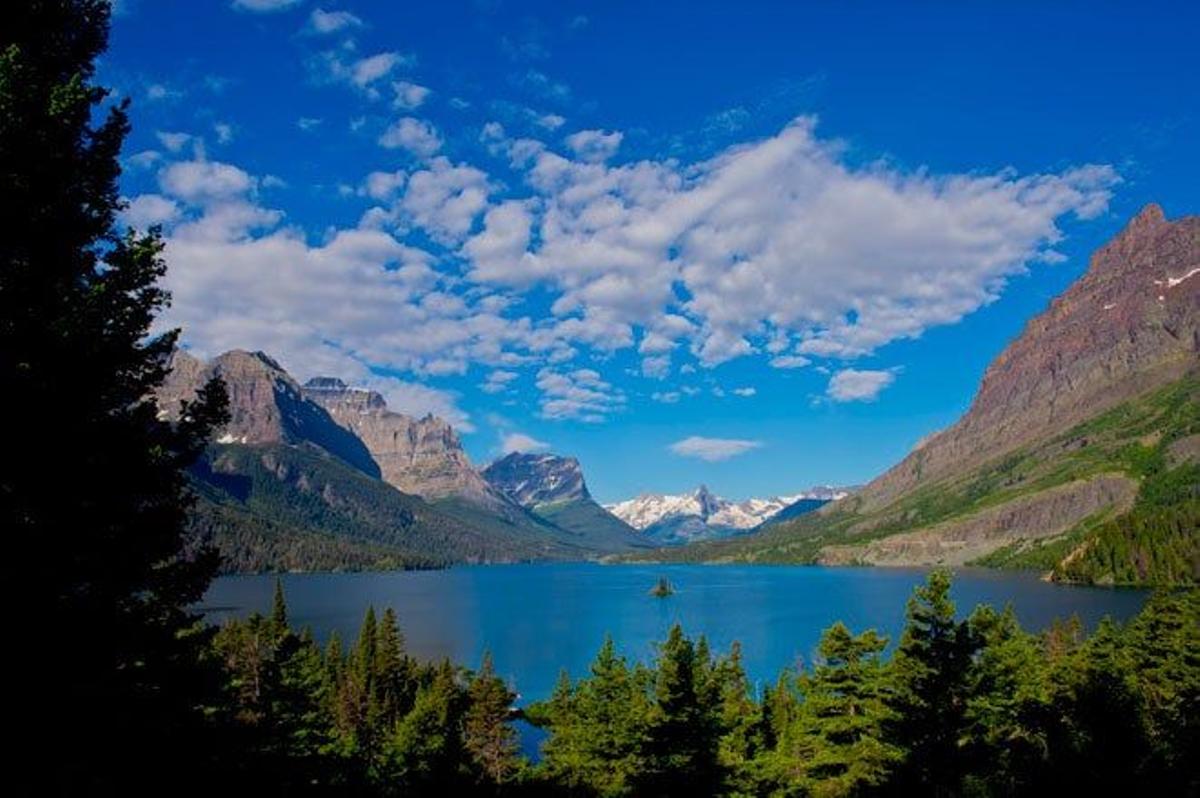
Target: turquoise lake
538,619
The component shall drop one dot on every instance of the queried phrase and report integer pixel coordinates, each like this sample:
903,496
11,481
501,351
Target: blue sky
758,245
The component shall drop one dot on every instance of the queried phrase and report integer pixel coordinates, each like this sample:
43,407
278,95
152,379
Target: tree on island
100,544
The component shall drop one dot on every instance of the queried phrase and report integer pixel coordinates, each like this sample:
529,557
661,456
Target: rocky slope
1075,449
536,479
421,456
265,405
1128,325
553,488
702,515
287,485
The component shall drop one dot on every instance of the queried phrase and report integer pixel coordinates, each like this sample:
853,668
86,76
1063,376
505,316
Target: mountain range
1080,454
701,515
325,476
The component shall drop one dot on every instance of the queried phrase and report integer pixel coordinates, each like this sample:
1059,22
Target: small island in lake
662,589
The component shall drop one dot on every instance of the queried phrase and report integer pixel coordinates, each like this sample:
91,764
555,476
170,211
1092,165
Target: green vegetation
93,495
964,707
590,521
297,508
1155,542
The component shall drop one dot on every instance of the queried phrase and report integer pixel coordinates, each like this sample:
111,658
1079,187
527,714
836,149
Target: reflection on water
539,619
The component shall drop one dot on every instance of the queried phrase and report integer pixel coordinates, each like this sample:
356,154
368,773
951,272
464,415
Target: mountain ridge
1078,454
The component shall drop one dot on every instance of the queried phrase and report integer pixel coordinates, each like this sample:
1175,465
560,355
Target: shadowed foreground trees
92,491
975,706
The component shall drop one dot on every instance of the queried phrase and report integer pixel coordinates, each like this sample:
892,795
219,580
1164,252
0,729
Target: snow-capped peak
651,509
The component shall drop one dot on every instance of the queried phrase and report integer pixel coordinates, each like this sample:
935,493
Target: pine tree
425,753
279,613
78,368
1008,706
487,734
931,686
395,685
683,736
838,742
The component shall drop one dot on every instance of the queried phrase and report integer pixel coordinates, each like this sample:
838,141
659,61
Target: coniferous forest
119,688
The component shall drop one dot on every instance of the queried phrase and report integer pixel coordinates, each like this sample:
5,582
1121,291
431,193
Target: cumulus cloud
577,394
366,71
498,381
712,450
322,21
415,135
171,141
338,66
859,385
149,209
418,400
520,442
775,241
264,6
409,95
201,181
594,145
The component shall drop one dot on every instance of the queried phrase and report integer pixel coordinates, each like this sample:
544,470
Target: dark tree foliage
98,550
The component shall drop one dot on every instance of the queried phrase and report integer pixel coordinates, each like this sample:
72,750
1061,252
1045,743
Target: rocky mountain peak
422,456
265,405
1130,324
532,480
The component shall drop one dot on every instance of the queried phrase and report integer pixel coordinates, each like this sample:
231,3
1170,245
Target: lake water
539,619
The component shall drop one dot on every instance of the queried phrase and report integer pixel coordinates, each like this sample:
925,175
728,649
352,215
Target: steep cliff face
553,488
421,456
1128,325
535,479
265,405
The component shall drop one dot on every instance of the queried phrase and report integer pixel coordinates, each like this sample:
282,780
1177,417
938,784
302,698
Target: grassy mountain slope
1143,530
589,521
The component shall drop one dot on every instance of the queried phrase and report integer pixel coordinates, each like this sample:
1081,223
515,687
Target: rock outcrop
1130,324
422,456
265,405
532,480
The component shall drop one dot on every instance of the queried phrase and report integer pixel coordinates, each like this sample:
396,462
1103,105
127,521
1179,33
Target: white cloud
746,392
772,241
224,132
594,145
322,21
712,450
789,362
264,6
415,135
201,181
144,159
666,397
382,185
520,442
855,385
418,400
368,70
172,142
308,123
149,209
578,394
157,92
409,95
498,381
550,121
